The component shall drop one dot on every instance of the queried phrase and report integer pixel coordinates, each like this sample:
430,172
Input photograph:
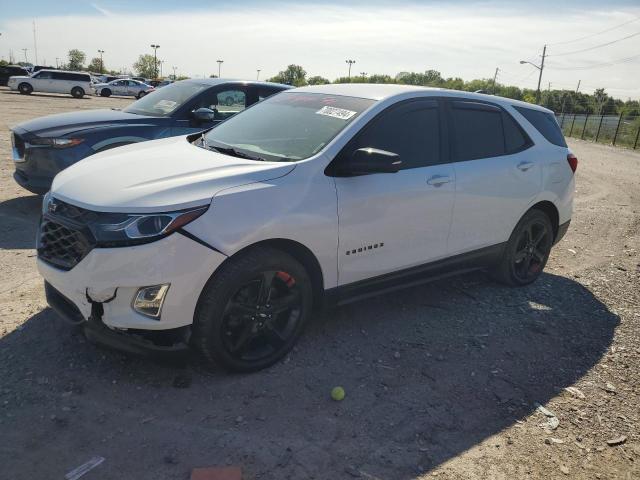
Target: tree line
560,101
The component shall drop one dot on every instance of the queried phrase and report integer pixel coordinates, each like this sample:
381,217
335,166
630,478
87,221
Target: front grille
61,245
18,143
64,238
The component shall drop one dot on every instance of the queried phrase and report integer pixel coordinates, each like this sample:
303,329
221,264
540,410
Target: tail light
573,162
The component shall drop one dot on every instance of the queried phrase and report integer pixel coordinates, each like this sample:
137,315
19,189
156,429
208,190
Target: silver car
123,87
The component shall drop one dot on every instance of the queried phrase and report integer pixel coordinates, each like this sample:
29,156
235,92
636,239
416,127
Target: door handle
438,180
524,166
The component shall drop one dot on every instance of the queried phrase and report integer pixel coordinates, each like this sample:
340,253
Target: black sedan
45,146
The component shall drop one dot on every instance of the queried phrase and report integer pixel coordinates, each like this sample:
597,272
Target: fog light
148,300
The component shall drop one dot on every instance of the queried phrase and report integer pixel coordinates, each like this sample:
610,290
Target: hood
65,123
20,77
160,175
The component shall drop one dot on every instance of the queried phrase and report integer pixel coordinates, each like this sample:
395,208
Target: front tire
527,250
25,88
105,92
253,310
77,92
141,94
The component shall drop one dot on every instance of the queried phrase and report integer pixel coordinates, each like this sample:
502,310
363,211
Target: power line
596,34
595,46
598,65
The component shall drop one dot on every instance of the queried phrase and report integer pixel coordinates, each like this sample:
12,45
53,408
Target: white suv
226,241
76,84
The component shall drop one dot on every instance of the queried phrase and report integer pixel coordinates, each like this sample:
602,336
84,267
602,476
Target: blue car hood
66,123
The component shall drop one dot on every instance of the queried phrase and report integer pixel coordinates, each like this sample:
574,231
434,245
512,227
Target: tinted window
59,76
477,131
44,75
545,123
166,100
514,138
412,131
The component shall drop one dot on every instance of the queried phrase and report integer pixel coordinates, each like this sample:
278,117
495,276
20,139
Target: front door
393,221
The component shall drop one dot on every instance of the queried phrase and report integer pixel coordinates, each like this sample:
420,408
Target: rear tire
252,310
527,250
77,92
25,89
141,94
105,92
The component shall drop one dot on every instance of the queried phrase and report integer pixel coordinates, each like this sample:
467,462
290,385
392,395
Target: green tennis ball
337,393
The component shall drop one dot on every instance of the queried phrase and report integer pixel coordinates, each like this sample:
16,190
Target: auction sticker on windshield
335,112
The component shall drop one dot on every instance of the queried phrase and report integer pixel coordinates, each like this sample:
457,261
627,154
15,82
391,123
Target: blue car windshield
286,127
163,102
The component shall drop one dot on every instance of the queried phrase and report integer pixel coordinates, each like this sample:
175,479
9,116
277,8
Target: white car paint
53,81
250,201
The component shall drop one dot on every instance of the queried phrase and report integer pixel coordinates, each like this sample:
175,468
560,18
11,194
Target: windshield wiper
232,151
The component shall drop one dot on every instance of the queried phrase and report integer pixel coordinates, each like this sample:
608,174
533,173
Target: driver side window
411,131
224,103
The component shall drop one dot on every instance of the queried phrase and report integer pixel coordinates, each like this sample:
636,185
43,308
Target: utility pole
544,54
25,55
174,72
57,62
549,87
35,45
220,62
540,68
493,84
350,62
101,63
257,74
155,59
578,87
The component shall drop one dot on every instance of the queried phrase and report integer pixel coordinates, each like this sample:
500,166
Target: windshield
163,103
286,127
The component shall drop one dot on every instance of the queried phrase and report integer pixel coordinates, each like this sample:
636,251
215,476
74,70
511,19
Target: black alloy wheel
527,251
532,250
252,310
261,317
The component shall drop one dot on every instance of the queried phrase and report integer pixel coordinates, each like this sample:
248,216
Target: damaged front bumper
97,293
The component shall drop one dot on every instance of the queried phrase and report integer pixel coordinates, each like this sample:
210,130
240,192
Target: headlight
46,200
118,229
55,142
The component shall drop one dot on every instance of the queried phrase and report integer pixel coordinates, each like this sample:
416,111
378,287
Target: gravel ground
442,380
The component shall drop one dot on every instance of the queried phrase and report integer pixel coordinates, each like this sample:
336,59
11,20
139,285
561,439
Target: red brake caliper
286,278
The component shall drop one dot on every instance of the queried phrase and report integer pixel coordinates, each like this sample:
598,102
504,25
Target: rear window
545,123
477,131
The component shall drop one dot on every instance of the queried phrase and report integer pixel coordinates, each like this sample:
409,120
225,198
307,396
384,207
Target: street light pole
25,55
258,74
540,68
174,72
493,84
57,62
101,63
350,62
155,59
220,62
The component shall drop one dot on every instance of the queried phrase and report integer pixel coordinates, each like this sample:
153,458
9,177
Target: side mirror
370,160
204,115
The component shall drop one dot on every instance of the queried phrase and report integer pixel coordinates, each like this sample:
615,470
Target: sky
459,38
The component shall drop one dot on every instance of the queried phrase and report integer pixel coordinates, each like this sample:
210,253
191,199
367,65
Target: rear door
497,174
393,221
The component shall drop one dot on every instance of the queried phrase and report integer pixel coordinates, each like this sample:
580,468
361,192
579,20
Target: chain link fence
622,130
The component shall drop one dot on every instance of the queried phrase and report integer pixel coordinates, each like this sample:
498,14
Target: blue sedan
45,146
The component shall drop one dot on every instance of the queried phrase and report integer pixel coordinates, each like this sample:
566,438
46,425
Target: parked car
160,83
7,71
45,146
319,195
123,87
142,79
76,84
